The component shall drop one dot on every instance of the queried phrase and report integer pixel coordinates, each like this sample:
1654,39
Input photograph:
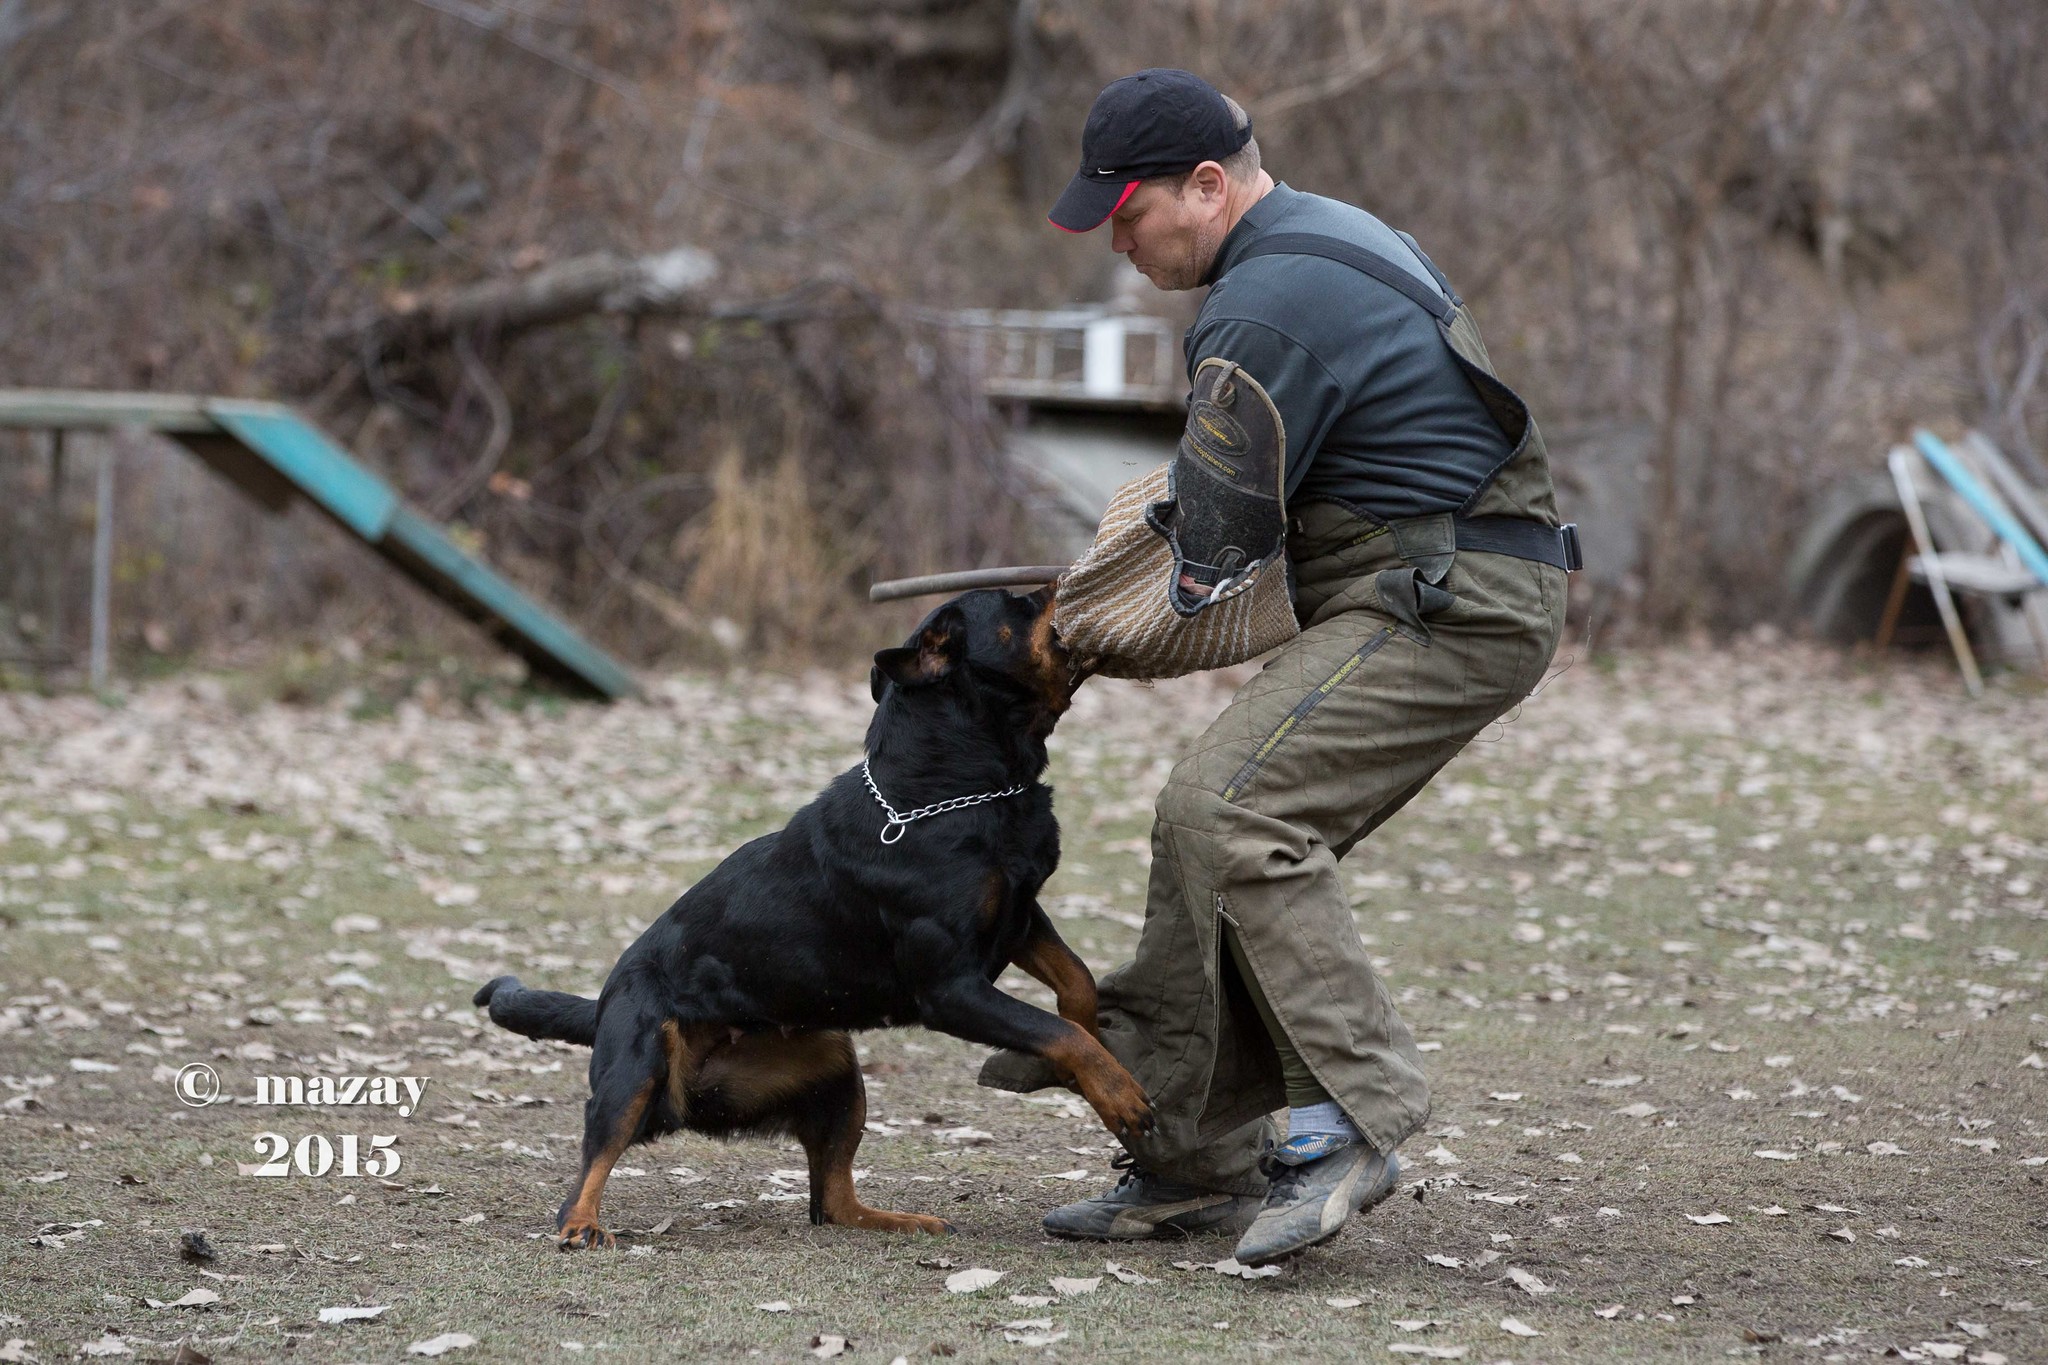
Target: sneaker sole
1235,1222
1367,1207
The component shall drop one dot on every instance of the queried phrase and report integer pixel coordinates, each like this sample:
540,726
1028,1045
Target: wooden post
102,565
60,552
1896,601
1930,565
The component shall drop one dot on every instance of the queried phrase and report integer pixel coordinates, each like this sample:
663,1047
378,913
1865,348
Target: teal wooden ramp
273,454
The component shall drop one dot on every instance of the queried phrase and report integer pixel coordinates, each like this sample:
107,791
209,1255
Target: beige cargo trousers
1391,676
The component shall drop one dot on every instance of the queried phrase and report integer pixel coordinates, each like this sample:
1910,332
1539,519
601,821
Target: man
1429,587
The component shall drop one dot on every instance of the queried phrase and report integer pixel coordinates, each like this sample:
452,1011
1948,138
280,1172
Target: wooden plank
316,466
2025,501
59,409
508,615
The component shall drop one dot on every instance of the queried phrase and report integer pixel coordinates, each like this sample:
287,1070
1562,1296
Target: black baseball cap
1158,122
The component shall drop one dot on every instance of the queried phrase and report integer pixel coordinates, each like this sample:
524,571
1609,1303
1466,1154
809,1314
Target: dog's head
994,644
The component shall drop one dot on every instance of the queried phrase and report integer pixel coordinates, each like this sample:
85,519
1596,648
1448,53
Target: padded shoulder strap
1360,259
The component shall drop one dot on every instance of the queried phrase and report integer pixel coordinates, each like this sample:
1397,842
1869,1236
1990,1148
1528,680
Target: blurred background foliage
1761,237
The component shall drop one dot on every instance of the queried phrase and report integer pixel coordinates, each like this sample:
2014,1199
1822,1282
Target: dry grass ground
1687,911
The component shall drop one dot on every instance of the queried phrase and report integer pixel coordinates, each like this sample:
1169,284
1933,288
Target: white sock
1317,1119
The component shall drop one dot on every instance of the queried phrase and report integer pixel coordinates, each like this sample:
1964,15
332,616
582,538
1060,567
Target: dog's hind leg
808,1084
1046,957
634,1061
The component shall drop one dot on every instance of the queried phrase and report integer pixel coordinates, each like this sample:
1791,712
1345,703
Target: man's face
1172,238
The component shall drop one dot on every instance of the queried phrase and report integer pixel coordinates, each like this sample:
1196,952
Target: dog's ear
938,649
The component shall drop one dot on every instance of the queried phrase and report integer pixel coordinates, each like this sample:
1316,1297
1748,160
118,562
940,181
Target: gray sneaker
1318,1182
1144,1205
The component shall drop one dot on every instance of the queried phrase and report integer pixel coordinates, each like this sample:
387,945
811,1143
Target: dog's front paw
579,1233
1125,1108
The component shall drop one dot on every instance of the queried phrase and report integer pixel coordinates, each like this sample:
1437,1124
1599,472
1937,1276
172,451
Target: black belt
1557,546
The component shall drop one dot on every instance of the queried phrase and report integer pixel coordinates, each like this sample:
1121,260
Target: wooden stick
1896,601
1019,576
1930,565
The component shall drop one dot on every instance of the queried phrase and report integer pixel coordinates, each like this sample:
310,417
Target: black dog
728,1015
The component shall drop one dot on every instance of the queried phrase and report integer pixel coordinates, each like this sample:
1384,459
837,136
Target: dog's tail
539,1014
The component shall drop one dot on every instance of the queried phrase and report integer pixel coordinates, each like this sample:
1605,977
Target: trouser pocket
1410,599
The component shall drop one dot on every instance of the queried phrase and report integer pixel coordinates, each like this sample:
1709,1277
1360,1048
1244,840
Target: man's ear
939,647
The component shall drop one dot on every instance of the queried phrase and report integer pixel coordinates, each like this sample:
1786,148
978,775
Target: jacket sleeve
1308,396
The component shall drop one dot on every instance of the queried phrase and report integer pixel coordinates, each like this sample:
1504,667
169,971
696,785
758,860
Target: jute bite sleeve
1214,515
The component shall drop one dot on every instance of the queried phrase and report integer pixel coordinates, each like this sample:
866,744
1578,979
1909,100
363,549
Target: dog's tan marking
1054,964
1086,1065
1055,683
686,1053
831,1165
995,897
580,1226
760,1070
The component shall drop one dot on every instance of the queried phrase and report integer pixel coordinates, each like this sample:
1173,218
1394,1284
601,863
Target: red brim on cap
1087,204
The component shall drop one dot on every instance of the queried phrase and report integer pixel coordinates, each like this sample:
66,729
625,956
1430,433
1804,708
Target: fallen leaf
108,1345
824,1346
1447,1262
1344,1303
1127,1275
972,1281
1843,1235
1442,1156
775,1306
1641,1109
1884,1149
1708,1219
1773,1154
1614,1082
1415,1348
1229,1266
1031,1300
197,1298
441,1345
47,1178
1070,1287
352,1314
1034,1339
1516,1327
1612,1311
1528,1282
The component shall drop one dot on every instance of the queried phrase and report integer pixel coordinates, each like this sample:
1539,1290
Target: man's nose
1119,240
